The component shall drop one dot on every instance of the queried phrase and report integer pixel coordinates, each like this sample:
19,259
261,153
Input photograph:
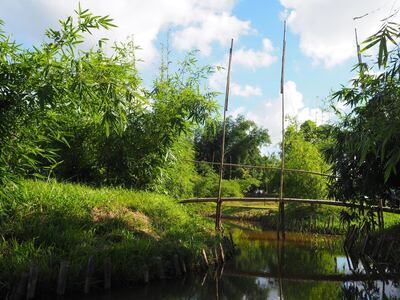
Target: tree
366,155
302,152
84,115
243,142
142,155
44,88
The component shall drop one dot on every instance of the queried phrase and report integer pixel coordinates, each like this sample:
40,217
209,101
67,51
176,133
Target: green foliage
242,143
179,176
51,222
303,146
83,116
44,89
366,155
149,152
207,184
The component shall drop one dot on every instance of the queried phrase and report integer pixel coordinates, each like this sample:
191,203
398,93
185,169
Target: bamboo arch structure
281,199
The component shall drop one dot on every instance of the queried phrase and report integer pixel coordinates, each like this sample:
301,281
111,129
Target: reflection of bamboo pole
221,171
280,268
281,222
216,286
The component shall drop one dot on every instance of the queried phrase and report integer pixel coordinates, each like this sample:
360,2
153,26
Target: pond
302,267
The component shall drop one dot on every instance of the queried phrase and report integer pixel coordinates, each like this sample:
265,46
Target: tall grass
46,223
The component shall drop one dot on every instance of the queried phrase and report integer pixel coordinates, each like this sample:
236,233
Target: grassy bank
298,217
46,223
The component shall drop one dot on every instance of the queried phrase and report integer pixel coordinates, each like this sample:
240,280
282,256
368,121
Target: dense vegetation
366,155
83,117
46,223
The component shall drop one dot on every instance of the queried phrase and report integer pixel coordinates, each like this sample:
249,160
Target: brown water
302,267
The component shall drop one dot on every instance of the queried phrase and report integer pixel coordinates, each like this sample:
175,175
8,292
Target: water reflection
302,267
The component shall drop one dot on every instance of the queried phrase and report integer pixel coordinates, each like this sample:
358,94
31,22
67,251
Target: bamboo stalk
281,222
358,48
221,171
221,253
205,258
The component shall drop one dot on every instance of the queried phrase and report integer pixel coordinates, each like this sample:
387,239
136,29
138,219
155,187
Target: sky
320,51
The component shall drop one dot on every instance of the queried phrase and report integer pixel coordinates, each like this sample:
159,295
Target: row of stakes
372,248
26,287
311,225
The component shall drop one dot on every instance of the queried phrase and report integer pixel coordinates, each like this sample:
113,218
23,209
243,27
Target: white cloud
217,82
238,111
253,59
211,28
326,28
248,58
269,114
245,90
202,21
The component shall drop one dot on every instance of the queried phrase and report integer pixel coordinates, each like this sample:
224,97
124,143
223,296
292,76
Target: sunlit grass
46,223
296,215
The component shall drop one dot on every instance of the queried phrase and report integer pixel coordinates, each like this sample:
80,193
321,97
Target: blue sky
320,43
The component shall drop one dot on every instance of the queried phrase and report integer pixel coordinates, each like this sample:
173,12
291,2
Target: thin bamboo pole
221,171
381,221
358,48
281,222
259,167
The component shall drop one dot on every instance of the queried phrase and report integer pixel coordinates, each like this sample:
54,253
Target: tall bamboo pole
358,48
281,221
221,171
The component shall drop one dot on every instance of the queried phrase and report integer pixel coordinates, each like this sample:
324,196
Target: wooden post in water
281,221
32,281
146,274
20,290
160,268
205,258
221,171
177,267
89,274
183,265
107,273
221,253
62,278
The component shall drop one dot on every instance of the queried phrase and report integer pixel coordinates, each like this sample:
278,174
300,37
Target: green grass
46,223
298,217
